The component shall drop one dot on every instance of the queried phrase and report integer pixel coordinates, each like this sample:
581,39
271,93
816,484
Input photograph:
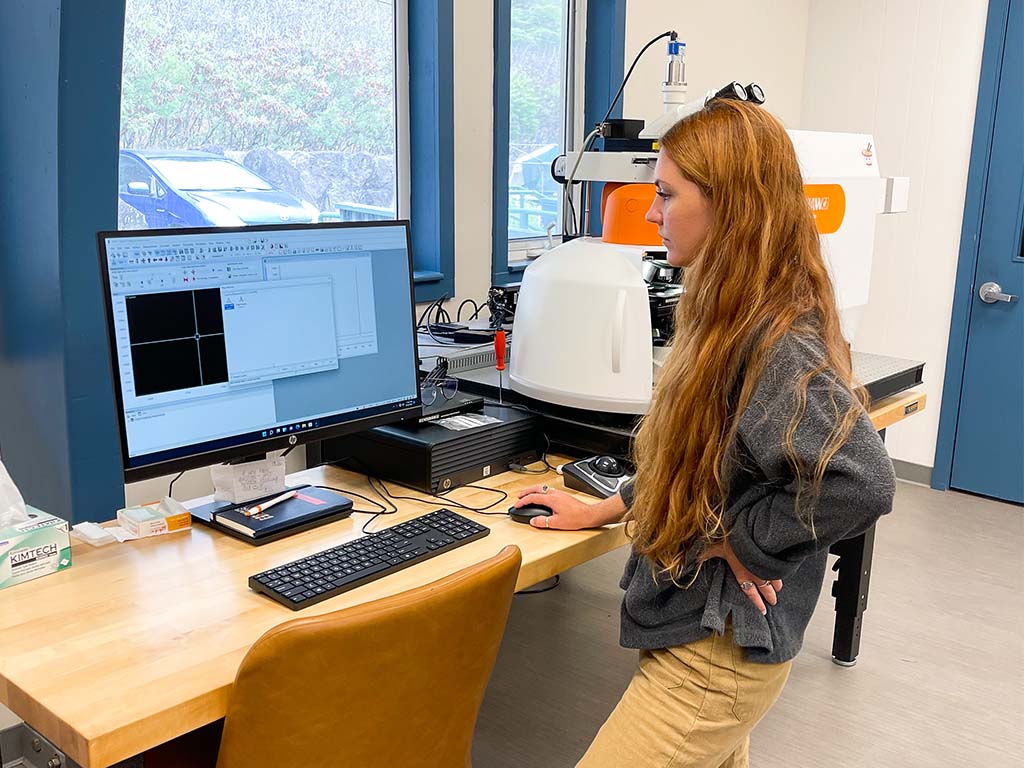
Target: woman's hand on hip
758,590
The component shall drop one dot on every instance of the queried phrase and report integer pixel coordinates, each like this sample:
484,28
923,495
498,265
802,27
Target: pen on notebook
249,512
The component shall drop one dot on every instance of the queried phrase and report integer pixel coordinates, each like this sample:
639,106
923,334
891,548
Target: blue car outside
200,189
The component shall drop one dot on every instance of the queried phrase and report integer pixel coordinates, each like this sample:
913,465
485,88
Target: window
536,79
241,112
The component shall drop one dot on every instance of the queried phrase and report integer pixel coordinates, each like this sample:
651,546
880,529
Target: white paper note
239,483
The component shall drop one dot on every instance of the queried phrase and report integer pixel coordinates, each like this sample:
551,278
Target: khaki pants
692,706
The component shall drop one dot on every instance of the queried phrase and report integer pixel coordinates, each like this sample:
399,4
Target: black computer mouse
527,512
607,465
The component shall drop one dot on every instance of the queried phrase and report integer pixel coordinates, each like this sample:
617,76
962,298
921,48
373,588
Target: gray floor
939,681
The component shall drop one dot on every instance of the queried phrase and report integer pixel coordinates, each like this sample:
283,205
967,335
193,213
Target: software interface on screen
228,337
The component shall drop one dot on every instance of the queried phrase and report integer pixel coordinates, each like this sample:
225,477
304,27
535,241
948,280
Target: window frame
510,256
431,157
599,60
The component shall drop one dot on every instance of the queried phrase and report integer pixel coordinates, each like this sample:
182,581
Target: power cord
445,499
587,142
170,487
671,34
476,309
344,492
523,469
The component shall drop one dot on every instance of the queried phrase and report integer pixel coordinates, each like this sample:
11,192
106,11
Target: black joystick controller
607,465
600,476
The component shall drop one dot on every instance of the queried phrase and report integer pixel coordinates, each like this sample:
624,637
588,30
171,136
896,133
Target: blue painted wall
60,73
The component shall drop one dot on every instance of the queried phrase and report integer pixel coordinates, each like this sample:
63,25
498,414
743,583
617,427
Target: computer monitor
231,342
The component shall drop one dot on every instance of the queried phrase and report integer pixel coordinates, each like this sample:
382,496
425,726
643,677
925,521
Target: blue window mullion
432,148
605,53
605,67
500,273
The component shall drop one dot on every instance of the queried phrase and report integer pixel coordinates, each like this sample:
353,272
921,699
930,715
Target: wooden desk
138,643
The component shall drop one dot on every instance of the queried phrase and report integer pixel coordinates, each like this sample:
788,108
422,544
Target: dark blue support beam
60,75
432,139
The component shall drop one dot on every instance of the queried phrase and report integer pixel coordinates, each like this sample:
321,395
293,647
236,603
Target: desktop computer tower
436,457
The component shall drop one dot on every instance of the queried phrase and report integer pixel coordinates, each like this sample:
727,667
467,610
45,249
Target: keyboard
323,575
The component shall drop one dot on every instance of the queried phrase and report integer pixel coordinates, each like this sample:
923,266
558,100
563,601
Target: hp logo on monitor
292,439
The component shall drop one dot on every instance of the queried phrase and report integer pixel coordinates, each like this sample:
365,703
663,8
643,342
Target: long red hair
758,276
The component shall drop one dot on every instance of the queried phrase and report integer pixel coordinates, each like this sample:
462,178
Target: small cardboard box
37,547
154,520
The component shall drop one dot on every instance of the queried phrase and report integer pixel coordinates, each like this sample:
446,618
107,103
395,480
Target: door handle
991,292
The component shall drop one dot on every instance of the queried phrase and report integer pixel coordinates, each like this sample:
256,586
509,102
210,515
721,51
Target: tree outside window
537,114
257,111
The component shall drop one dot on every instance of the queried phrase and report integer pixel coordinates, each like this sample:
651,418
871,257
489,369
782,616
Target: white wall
473,86
744,40
907,72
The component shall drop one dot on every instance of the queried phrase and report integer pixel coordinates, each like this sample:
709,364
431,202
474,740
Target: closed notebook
309,505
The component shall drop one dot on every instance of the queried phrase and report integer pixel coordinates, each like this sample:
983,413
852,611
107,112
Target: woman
755,456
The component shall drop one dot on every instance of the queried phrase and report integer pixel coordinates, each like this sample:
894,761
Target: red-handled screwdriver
499,357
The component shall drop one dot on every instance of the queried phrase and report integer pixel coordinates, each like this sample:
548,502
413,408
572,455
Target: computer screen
233,342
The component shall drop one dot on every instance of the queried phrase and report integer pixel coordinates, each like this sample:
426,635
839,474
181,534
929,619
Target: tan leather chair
396,683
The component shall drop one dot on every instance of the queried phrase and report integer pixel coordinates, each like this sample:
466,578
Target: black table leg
850,589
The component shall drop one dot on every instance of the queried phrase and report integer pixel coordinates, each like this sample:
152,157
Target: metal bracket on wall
21,746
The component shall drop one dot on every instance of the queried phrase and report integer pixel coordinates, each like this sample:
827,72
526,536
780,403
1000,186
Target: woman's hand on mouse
569,513
758,590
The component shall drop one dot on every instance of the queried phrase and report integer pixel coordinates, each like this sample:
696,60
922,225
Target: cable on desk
370,482
441,312
458,313
524,469
345,492
445,499
504,496
384,496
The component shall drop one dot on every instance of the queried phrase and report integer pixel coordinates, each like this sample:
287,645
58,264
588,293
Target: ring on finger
746,586
544,489
767,583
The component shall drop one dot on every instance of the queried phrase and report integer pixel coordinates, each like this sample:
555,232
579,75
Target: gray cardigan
764,530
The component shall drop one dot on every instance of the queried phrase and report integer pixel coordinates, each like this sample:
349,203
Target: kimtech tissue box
36,547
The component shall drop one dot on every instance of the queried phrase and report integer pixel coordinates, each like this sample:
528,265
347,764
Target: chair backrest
396,682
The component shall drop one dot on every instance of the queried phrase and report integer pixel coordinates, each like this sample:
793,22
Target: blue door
988,452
